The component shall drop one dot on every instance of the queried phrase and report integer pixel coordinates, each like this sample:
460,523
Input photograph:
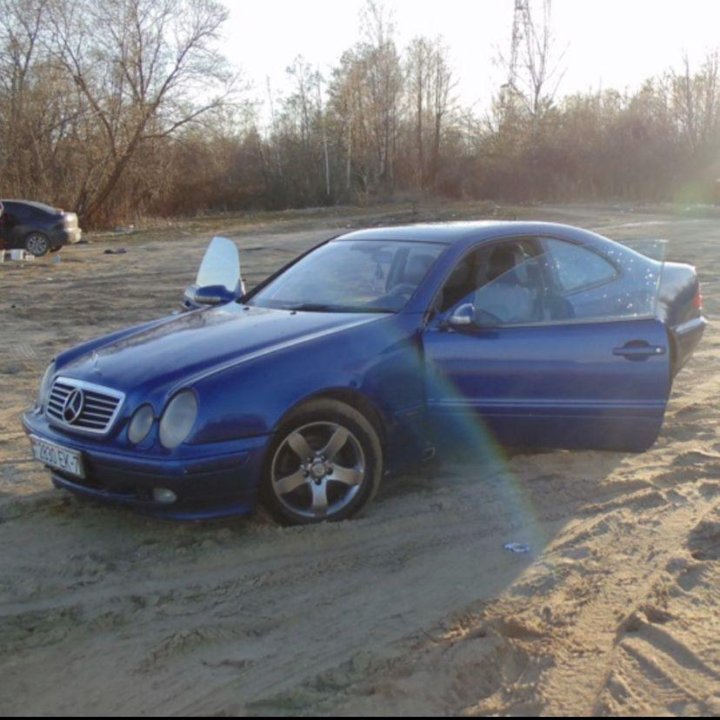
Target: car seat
459,285
510,295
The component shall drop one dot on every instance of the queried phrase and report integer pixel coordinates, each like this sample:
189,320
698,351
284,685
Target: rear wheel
37,244
324,464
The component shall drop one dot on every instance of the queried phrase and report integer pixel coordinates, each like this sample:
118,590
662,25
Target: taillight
697,300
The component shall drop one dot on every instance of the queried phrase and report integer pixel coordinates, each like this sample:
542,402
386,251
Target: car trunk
680,306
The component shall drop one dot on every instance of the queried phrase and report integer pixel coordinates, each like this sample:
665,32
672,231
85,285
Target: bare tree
299,137
696,101
429,83
365,104
382,82
32,119
143,68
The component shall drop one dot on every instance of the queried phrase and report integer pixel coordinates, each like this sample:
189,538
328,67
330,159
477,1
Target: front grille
83,406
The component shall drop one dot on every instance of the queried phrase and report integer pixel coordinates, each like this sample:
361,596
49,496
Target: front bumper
74,236
66,236
213,480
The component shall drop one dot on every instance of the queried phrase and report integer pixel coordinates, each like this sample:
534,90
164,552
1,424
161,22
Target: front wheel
37,244
324,464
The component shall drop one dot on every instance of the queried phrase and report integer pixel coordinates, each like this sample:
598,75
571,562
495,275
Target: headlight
178,419
45,385
140,424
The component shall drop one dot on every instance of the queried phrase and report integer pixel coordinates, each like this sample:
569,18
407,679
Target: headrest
502,260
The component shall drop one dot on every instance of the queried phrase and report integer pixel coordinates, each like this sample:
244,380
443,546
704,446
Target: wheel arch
350,397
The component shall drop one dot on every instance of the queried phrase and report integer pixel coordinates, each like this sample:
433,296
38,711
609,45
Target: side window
584,286
511,287
543,280
460,285
577,268
502,281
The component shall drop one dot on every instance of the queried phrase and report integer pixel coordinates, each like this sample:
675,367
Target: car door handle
639,350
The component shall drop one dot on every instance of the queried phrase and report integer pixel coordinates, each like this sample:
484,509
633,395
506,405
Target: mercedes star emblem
73,406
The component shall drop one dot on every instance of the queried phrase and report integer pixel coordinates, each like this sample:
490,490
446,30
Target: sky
603,43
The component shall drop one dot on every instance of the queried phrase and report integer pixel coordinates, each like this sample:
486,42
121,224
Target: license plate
58,457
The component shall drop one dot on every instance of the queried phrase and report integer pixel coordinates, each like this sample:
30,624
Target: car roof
462,232
31,203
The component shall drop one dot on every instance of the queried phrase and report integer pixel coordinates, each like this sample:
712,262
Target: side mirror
218,279
208,295
463,316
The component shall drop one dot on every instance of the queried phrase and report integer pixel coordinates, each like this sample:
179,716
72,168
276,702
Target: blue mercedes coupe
371,351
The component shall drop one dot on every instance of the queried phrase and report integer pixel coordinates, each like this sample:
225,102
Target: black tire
37,243
338,476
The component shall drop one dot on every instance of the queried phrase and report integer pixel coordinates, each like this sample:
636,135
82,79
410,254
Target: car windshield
351,276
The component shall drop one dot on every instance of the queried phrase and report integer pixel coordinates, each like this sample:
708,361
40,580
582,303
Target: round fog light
164,496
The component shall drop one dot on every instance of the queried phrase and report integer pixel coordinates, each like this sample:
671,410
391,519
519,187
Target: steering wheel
400,290
395,298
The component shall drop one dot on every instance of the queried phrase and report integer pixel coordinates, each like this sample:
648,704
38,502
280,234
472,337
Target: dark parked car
36,227
367,353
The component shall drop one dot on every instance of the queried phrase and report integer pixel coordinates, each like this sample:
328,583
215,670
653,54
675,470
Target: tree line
124,108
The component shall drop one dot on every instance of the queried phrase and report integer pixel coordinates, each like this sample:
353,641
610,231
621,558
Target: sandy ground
415,607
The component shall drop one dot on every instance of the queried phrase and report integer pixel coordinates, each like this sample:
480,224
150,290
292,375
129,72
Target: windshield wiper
318,307
313,307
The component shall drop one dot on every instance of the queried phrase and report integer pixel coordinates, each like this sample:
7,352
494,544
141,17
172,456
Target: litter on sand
517,547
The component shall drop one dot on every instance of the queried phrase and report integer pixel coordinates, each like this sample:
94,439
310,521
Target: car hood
201,342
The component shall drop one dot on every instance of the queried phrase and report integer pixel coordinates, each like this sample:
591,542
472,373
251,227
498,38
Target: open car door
555,345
